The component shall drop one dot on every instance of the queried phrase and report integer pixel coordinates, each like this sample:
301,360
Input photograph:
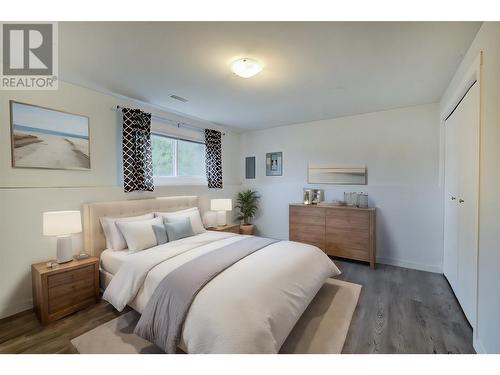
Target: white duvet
249,308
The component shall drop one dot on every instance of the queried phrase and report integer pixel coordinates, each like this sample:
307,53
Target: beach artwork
46,138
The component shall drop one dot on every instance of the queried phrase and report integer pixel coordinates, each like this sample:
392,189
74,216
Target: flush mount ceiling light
246,68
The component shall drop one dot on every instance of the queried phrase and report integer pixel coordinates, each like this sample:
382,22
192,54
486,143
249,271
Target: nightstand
67,288
232,228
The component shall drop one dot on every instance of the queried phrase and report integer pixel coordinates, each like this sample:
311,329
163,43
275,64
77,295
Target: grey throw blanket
163,318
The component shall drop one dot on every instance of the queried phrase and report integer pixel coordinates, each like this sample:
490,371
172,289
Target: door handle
453,198
461,200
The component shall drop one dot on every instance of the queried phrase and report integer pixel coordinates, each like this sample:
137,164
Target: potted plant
247,202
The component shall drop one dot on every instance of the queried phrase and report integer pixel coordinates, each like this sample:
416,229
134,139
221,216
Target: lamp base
221,218
64,249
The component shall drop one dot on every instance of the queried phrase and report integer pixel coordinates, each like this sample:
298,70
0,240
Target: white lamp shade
221,204
60,223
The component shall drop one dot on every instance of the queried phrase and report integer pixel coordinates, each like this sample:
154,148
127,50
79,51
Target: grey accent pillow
178,229
160,234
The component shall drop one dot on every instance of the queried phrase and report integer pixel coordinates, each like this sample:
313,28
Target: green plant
247,202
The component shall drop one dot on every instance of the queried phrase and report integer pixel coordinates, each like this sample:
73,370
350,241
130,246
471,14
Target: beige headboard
93,235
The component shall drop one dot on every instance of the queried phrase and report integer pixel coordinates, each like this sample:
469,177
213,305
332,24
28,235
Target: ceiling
312,70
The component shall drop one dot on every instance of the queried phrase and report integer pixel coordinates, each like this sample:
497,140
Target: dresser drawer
82,296
71,288
342,252
308,220
353,239
310,234
348,219
307,215
69,277
348,243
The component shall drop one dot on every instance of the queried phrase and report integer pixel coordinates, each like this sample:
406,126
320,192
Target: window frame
177,180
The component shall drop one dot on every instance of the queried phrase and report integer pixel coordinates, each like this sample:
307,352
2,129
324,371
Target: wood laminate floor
399,311
404,311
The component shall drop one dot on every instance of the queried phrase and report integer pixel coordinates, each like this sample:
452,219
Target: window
163,149
177,160
190,159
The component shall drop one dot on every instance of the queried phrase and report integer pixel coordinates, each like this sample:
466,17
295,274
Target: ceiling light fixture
246,68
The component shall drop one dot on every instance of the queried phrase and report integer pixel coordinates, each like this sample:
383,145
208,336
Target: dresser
346,232
65,289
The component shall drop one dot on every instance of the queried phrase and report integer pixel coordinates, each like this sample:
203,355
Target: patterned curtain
214,158
137,157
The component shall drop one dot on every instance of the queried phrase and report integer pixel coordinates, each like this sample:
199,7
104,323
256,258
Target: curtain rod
178,124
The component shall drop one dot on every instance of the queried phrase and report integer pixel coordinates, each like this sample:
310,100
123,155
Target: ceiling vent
179,98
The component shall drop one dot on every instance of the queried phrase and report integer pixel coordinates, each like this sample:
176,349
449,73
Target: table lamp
62,224
221,206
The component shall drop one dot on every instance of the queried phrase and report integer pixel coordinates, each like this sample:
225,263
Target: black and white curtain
214,158
136,145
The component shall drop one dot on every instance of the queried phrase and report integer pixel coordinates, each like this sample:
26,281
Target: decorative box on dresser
65,289
341,231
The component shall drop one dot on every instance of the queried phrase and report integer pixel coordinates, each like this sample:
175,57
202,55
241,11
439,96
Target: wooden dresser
346,232
60,291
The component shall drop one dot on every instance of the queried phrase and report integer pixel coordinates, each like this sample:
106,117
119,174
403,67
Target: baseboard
8,310
478,346
411,265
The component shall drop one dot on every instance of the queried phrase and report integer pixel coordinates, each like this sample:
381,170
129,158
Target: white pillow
139,234
193,214
114,238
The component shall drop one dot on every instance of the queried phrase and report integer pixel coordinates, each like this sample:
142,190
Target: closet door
450,261
462,201
468,201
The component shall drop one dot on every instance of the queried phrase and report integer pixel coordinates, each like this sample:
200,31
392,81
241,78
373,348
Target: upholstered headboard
93,235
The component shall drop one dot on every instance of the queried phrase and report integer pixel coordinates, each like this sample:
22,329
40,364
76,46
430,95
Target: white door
450,261
462,200
468,201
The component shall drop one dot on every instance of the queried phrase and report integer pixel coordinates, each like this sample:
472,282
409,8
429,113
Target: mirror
336,175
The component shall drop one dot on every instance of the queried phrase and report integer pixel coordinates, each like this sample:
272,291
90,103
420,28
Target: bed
250,307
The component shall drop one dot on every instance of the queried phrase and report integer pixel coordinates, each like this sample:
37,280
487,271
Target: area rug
322,328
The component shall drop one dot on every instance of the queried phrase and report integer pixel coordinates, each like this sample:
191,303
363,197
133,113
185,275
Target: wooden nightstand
232,228
60,291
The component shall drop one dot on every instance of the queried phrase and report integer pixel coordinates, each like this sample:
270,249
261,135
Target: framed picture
274,164
48,139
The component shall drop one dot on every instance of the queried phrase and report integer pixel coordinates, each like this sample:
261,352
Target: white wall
487,335
401,151
26,193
